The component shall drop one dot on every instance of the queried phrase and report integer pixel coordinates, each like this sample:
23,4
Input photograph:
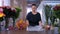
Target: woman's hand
40,23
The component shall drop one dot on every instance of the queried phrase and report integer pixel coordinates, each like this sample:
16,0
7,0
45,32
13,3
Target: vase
56,30
59,27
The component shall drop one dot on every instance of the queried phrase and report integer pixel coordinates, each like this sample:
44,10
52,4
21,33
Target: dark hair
33,4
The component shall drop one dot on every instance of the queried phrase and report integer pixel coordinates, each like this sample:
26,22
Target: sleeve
39,17
27,17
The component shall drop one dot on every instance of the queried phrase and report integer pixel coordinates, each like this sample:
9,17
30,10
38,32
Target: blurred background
49,10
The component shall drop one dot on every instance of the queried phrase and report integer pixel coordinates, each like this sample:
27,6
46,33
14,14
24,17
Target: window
5,2
0,2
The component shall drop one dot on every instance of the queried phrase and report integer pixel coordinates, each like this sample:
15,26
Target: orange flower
2,14
21,24
21,21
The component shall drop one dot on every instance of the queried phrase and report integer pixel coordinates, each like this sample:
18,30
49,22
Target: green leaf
18,10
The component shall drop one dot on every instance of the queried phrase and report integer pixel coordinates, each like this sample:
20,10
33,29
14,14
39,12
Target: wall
22,5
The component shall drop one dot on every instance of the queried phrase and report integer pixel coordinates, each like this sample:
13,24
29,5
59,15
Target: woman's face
33,8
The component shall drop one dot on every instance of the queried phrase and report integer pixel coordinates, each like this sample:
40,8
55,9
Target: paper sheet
35,28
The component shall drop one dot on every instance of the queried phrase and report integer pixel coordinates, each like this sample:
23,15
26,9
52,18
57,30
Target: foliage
47,12
56,10
18,10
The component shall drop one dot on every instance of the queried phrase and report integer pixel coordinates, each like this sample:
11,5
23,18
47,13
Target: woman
33,19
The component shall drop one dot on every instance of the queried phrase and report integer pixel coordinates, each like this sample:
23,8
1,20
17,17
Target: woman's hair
33,4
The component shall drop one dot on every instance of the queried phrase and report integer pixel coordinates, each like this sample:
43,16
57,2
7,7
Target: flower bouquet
21,24
1,16
56,11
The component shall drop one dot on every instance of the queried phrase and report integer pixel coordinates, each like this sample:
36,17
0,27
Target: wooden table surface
25,32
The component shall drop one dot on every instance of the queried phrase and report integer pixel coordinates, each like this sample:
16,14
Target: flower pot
56,30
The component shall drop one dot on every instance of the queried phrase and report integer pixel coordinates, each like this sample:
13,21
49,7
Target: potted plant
1,18
47,12
56,11
11,12
16,15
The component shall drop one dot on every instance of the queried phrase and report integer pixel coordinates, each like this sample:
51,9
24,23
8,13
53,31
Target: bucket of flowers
56,11
1,18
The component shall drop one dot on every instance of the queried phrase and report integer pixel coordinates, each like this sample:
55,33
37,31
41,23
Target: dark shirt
33,19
